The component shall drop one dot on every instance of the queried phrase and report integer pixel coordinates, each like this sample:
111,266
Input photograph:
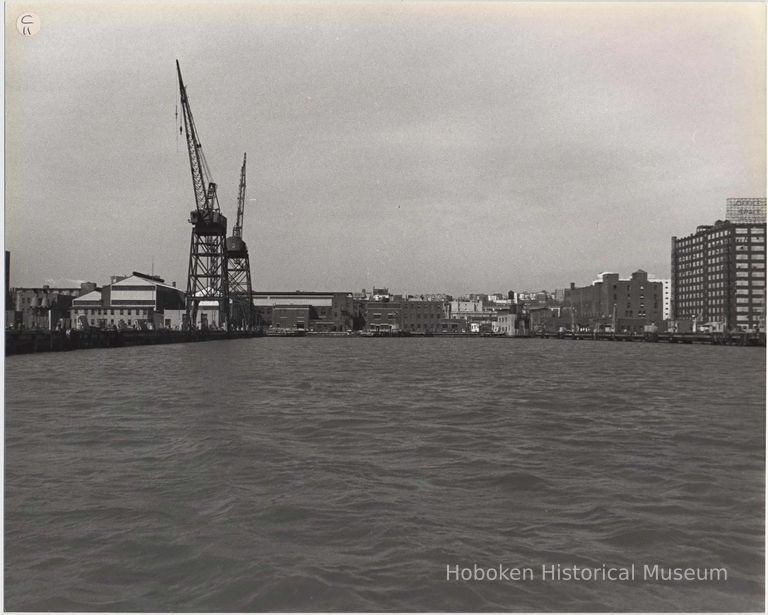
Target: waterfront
343,474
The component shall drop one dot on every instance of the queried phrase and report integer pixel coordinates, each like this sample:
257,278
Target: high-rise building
745,211
718,276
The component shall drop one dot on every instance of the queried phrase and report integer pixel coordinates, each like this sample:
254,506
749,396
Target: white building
137,300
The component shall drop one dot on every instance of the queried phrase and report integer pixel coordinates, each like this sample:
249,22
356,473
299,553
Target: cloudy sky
426,147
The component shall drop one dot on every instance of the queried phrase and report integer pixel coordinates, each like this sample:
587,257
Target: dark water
346,474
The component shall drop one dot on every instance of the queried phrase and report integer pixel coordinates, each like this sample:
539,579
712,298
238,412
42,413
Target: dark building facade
612,303
718,276
400,314
305,310
44,307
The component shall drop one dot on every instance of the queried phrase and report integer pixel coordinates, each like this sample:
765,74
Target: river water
347,474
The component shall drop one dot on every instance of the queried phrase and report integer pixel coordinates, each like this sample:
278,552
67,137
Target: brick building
47,306
616,304
305,310
718,276
399,314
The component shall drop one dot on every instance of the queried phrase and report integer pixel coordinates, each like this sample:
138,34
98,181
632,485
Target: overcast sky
426,147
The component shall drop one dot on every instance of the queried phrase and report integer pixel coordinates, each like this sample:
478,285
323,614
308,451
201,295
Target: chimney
573,285
174,283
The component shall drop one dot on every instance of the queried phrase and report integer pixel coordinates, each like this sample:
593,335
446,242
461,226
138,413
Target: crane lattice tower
238,268
206,277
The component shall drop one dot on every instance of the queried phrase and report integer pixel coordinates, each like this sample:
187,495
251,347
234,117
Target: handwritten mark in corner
28,24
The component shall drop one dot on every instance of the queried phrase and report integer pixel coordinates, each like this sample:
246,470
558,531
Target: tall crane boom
205,188
207,273
238,230
238,268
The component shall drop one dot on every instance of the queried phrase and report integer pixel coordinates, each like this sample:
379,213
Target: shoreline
31,342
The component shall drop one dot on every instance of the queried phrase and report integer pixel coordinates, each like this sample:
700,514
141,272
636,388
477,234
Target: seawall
25,342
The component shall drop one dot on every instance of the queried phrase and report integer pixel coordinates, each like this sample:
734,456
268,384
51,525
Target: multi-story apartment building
718,276
615,304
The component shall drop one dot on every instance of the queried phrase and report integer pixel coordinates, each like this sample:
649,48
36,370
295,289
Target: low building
297,317
47,306
328,311
401,314
513,322
454,326
135,301
548,320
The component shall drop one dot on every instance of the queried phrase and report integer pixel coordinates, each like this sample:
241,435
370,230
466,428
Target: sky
425,147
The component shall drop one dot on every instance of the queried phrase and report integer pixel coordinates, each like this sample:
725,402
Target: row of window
103,312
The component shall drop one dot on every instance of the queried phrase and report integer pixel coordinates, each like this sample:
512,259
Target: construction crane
239,269
206,278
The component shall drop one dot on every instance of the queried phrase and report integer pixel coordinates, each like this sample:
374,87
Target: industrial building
134,301
614,304
304,310
718,277
45,307
404,314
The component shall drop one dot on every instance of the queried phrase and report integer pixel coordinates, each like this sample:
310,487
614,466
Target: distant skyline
424,147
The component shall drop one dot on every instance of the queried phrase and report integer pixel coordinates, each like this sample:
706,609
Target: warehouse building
305,310
615,304
135,301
